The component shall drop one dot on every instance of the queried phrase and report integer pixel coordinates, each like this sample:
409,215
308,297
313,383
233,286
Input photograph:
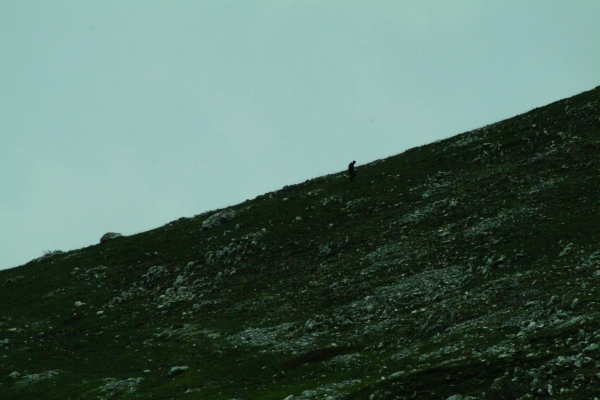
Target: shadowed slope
470,265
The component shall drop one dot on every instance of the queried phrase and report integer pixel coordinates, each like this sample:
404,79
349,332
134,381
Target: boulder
178,369
218,219
110,236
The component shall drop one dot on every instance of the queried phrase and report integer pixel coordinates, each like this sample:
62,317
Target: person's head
353,162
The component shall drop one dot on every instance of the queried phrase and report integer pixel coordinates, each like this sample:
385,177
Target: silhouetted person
351,170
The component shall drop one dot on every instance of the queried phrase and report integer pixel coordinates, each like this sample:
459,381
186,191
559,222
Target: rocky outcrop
218,219
110,236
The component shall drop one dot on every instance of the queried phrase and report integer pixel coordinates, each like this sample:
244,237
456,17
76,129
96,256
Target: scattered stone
125,296
176,294
314,192
532,325
324,250
572,321
591,347
35,378
574,303
128,385
110,236
356,202
95,273
5,341
154,273
331,199
566,250
79,304
344,358
14,375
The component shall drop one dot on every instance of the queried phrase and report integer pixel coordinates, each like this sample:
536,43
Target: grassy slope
515,193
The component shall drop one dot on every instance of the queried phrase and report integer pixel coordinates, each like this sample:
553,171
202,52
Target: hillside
469,266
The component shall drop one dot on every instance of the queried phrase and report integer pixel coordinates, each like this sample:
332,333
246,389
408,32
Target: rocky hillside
467,268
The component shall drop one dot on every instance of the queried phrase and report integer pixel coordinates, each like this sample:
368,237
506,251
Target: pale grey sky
124,115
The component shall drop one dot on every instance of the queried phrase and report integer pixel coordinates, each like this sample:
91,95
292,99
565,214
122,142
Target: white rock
79,304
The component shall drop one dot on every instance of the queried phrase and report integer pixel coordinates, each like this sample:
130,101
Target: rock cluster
218,219
34,378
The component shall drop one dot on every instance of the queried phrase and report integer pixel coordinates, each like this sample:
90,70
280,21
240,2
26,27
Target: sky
120,116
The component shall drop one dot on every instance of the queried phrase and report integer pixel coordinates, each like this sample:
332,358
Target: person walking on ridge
351,170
